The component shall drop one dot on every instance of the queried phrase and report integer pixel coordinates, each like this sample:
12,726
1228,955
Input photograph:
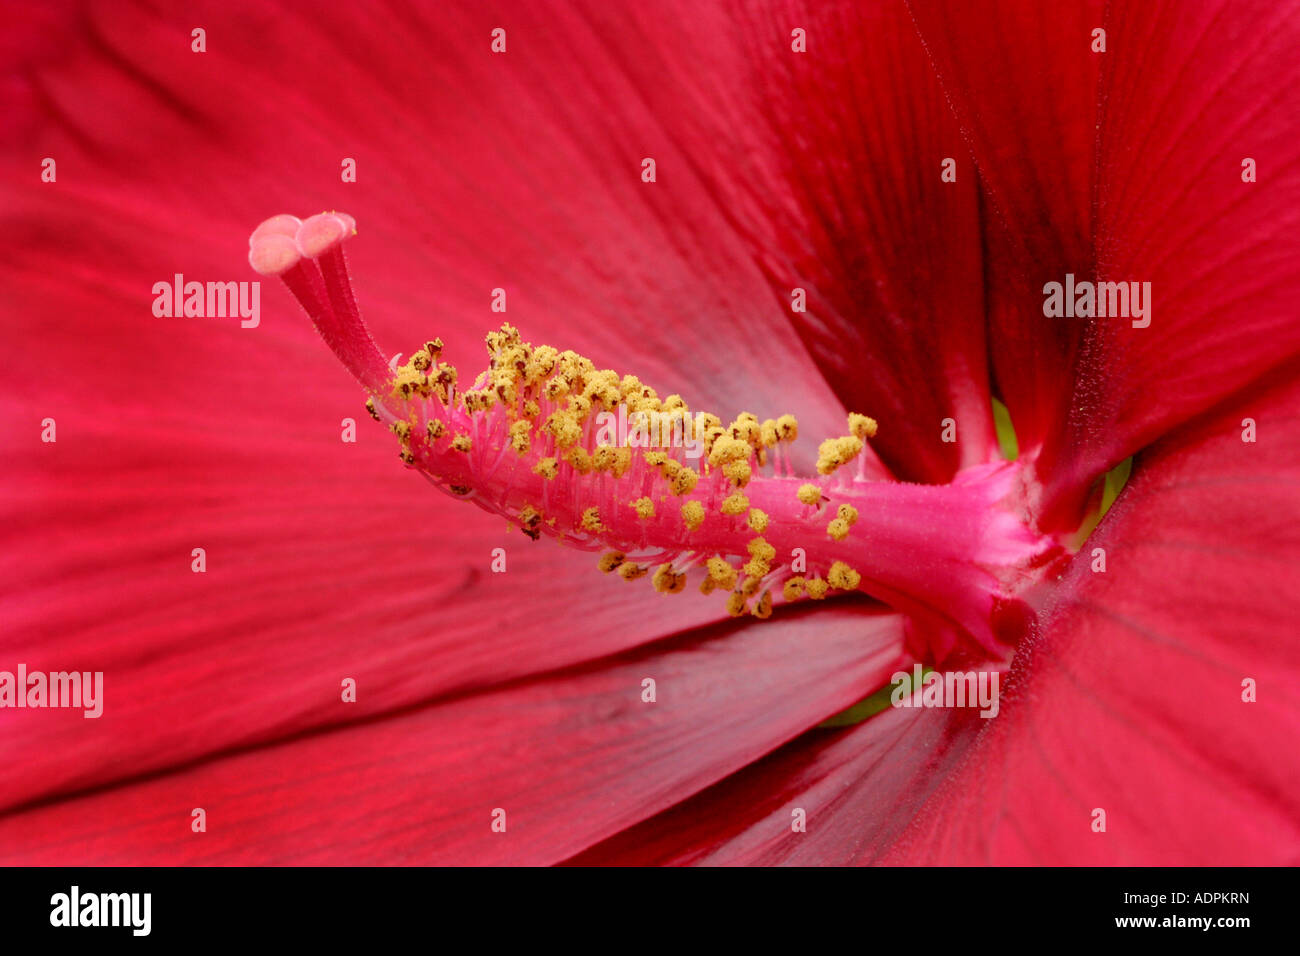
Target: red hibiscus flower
812,209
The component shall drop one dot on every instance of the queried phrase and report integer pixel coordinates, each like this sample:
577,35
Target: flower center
600,462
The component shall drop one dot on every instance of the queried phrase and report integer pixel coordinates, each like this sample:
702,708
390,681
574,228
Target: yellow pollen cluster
591,521
644,508
530,520
809,494
757,520
721,573
735,504
630,572
843,577
760,558
693,515
860,426
834,452
667,581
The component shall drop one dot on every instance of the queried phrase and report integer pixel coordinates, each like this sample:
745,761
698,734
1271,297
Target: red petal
572,758
831,163
858,790
1126,165
1023,83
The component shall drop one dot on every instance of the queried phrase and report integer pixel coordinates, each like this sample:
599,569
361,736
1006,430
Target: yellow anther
610,560
726,448
768,433
843,577
759,548
402,430
816,588
622,462
757,520
477,401
520,439
370,407
630,572
787,428
656,459
462,443
749,586
682,480
548,468
531,409
541,364
579,408
763,609
603,458
580,460
556,389
735,504
737,472
834,452
434,429
692,515
708,586
809,494
747,429
529,519
736,604
847,514
501,340
406,455
721,573
591,521
666,581
644,508
564,426
410,381
838,529
422,361
860,426
793,589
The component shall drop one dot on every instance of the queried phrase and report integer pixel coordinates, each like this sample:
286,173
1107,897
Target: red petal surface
1127,166
572,757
